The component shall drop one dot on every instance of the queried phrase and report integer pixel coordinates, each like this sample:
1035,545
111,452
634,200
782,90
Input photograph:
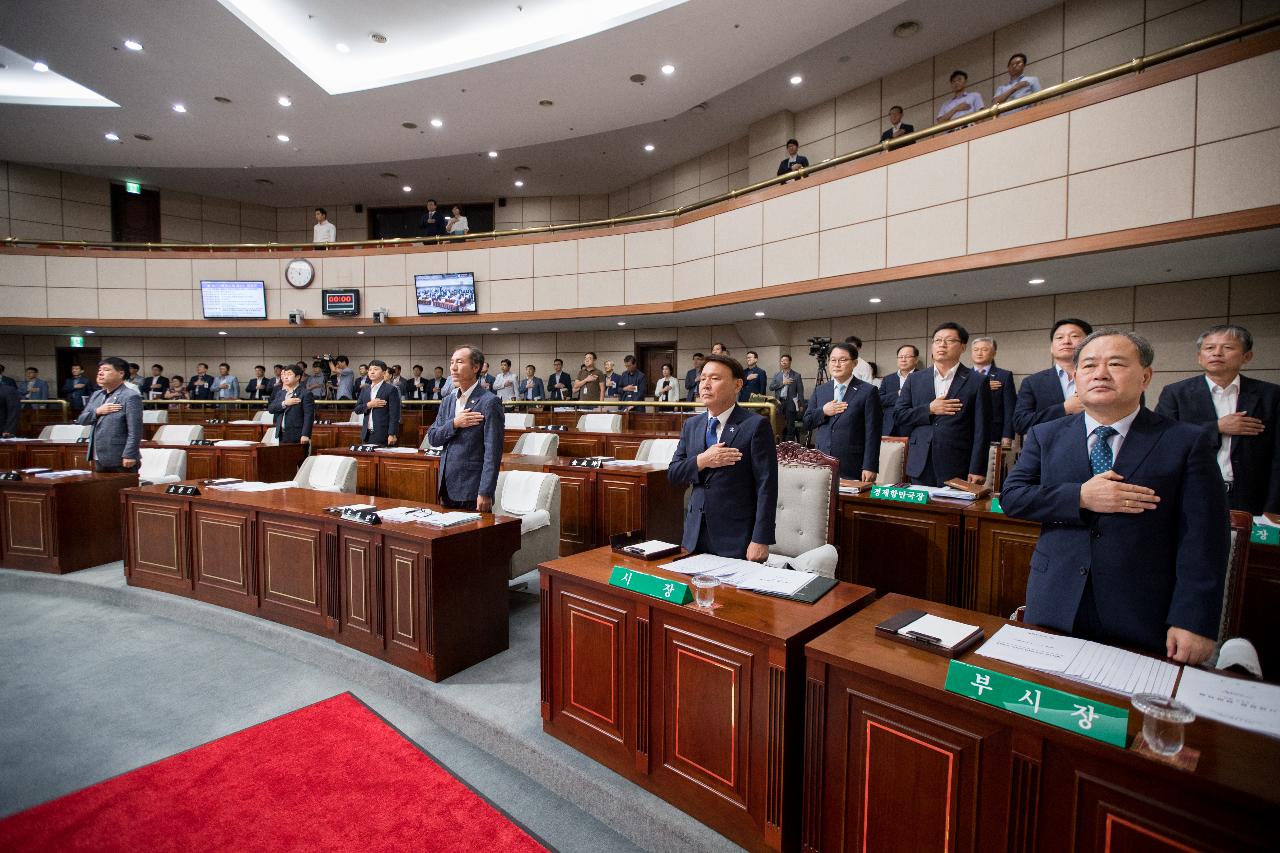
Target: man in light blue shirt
34,388
1019,84
961,103
226,386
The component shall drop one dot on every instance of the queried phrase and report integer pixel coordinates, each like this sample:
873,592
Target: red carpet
331,776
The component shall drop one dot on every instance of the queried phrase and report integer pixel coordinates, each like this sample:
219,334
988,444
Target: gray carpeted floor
98,678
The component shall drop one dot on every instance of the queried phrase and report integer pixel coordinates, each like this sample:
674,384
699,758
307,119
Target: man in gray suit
788,387
469,426
115,411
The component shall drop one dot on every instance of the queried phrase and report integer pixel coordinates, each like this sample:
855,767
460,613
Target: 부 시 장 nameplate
651,585
901,494
1058,708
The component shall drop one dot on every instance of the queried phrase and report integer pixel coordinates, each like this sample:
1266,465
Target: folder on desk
807,594
944,637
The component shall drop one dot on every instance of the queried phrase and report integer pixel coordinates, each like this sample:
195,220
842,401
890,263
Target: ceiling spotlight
493,328
39,66
493,154
649,147
359,331
342,48
281,137
622,322
759,313
378,38
668,69
88,331
906,29
407,189
519,183
222,333
435,122
112,137
284,101
796,80
142,137
875,300
546,103
179,108
133,45
1035,281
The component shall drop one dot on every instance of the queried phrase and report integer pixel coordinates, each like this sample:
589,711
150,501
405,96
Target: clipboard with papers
774,581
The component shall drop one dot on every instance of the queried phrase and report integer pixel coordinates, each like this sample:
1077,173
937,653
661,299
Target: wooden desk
1259,605
62,525
621,445
703,710
270,463
431,601
894,762
34,453
595,503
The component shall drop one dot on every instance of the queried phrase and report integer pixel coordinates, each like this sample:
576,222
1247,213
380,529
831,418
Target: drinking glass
704,590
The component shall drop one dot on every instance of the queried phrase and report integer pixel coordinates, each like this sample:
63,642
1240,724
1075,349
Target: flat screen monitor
233,300
343,302
446,293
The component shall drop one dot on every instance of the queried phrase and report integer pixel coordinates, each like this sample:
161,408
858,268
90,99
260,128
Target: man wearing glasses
944,411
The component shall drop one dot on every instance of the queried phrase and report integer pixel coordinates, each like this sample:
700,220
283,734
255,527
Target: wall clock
300,273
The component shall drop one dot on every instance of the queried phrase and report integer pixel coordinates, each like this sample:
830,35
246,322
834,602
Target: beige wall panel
802,330
33,180
87,189
713,164
711,189
1238,98
35,208
287,218
217,232
972,316
169,305
612,343
1230,175
256,235
738,229
554,292
1023,352
649,248
854,248
70,272
790,260
176,229
382,270
78,302
738,153
511,214
424,263
902,326
1160,119
511,294
288,238
157,349
1018,217
394,298
1099,308
973,57
565,208
1181,299
510,262
258,216
470,260
91,235
593,207
220,210
740,270
1024,155
618,200
536,209
859,106
22,271
684,197
121,273
770,132
1157,8
1089,20
559,258
185,205
1266,342
857,138
1193,22
1253,10
761,167
908,87
538,343
1037,36
35,230
1032,312
934,178
817,122
80,215
1258,293
212,270
168,274
240,352
660,186
4,204
638,195
598,289
599,254
685,176
820,150
695,278
1175,342
1048,71
856,198
791,215
572,346
926,235
1112,50
343,272
1131,195
483,303
427,346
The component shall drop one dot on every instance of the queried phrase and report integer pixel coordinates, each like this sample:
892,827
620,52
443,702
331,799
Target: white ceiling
734,55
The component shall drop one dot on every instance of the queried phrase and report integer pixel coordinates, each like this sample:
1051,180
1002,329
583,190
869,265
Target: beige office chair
657,451
513,420
355,418
327,473
162,465
805,525
178,434
269,437
534,498
538,444
264,417
893,460
65,433
155,416
600,423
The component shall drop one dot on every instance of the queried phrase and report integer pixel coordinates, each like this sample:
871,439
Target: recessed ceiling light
1035,281
222,333
649,147
39,66
407,189
622,322
282,137
493,154
284,101
88,331
519,183
435,122
493,328
796,80
112,137
546,103
342,48
759,313
142,137
378,38
668,69
906,29
875,300
359,331
179,108
133,45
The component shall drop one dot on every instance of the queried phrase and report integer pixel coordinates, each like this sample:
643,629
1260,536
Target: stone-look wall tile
23,302
1037,36
1018,217
740,270
817,122
1023,352
175,229
343,272
1163,119
1228,176
972,57
600,254
1258,293
1130,195
714,164
791,260
217,232
1000,161
854,248
1193,22
475,261
739,229
35,208
537,209
1100,308
510,262
858,106
711,189
115,273
185,205
1174,342
1089,20
220,210
638,195
169,305
33,180
649,248
1178,300
35,230
902,325
770,133
168,274
122,304
1266,342
510,214
85,189
790,215
598,289
1115,49
383,270
694,240
593,207
1032,312
972,316
395,299
1239,98
908,87
862,136
511,295
820,150
856,198
648,284
424,263
695,278
22,271
927,235
87,235
70,272
934,178
558,258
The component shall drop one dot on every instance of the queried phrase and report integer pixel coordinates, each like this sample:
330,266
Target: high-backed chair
996,465
535,499
657,451
517,420
805,527
893,460
155,416
327,473
1233,586
538,444
178,434
68,433
162,465
600,423
264,417
355,418
269,437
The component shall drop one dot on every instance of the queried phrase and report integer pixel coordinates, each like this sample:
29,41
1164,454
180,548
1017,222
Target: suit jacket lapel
958,381
1142,437
729,434
1077,445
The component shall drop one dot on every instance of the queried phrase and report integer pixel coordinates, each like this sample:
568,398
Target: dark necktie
713,425
1101,458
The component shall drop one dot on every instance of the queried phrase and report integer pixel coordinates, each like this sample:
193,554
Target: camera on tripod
820,348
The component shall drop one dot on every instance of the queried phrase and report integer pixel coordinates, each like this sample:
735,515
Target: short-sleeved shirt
590,391
972,99
1032,86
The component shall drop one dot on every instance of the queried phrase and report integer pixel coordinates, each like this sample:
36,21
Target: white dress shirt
324,232
862,370
1121,427
464,396
1067,381
368,414
1224,403
723,418
942,381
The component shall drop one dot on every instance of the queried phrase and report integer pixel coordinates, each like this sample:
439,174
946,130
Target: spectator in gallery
1003,391
226,386
486,379
590,381
458,222
260,387
154,386
345,378
77,388
6,380
611,380
875,373
788,387
362,377
961,103
794,162
504,384
134,379
315,381
177,389
897,127
631,384
691,378
531,385
908,361
559,383
754,379
432,222
666,390
323,231
201,385
719,349
439,385
417,386
1020,84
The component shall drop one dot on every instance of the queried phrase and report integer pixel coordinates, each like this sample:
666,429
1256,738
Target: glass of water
704,590
1164,722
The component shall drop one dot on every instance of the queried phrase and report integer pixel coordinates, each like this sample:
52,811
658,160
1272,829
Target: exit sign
133,187
77,341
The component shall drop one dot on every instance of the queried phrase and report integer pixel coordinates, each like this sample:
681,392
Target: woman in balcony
667,390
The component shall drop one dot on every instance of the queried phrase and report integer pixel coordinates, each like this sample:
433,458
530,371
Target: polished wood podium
893,762
430,600
703,709
61,525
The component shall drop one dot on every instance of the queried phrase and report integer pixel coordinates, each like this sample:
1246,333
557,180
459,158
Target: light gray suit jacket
115,436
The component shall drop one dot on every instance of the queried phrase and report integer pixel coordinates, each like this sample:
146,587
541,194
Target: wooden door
577,502
651,357
620,505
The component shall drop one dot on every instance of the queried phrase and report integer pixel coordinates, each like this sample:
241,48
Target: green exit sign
77,341
133,187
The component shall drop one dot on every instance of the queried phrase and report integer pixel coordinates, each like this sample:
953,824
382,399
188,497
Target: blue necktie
1100,458
839,393
712,425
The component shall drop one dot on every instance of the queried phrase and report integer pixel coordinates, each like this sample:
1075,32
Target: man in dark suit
439,387
943,411
260,387
154,386
1051,393
531,386
844,417
631,382
559,383
379,402
1240,414
7,380
896,126
891,386
692,378
727,454
10,409
469,426
432,222
794,161
1135,533
1003,392
115,411
294,408
755,380
77,388
201,385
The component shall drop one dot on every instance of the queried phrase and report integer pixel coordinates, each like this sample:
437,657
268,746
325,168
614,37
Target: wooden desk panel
703,710
61,526
222,551
904,548
1260,604
997,561
11,456
269,463
622,445
292,557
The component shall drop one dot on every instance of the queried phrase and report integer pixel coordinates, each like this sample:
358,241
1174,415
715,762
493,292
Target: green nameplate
1087,717
651,585
901,494
995,506
1265,534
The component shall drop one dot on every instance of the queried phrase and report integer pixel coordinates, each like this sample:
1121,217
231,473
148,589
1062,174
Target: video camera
820,348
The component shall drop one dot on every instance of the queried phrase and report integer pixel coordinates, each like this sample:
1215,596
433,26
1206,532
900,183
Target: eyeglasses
950,342
840,360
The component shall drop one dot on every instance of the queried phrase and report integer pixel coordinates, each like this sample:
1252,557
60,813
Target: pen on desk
937,641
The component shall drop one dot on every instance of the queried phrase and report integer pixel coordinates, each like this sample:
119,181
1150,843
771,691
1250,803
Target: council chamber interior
641,425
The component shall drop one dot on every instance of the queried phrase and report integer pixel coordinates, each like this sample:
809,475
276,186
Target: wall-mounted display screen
233,300
343,302
446,293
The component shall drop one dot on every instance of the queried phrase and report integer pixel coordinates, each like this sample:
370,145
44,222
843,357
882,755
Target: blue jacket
755,381
737,503
1150,570
853,436
35,389
522,392
293,422
116,436
469,463
1003,402
957,444
691,379
889,387
386,419
1039,400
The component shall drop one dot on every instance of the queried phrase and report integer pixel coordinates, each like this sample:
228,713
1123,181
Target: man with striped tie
1135,537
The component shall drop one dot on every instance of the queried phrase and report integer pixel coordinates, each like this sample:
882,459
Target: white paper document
422,515
947,492
253,486
1250,705
652,546
1264,521
1099,665
61,475
396,450
947,632
625,463
743,574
